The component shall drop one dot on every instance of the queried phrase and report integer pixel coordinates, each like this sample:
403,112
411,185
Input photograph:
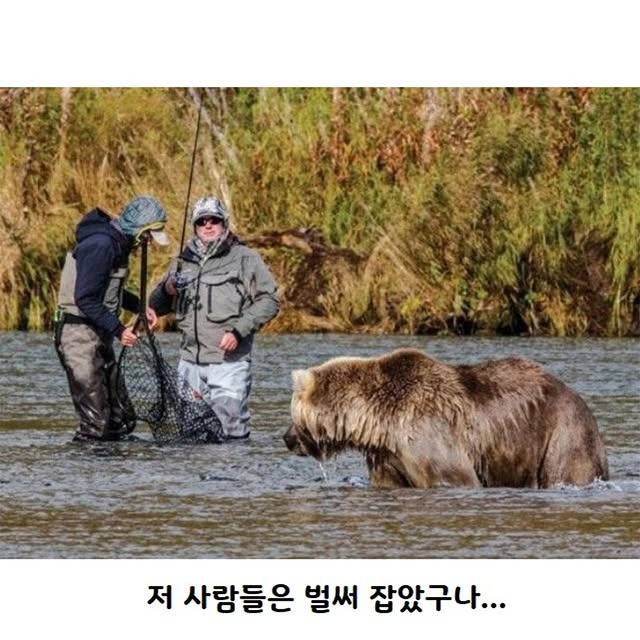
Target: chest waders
88,359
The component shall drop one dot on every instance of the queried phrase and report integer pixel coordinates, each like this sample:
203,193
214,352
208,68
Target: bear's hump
493,379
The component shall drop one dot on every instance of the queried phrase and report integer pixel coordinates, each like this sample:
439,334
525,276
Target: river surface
254,499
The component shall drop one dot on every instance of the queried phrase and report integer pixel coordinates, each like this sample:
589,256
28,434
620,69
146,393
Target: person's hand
170,285
229,342
128,338
152,318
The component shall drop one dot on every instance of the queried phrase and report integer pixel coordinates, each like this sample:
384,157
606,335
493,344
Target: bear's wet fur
423,423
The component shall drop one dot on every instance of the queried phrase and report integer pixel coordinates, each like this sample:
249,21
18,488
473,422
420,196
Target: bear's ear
301,379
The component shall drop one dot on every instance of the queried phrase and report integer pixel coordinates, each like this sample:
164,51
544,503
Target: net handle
141,321
142,317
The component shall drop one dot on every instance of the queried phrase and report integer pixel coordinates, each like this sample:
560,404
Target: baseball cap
209,207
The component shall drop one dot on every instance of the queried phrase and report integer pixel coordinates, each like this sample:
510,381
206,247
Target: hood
98,221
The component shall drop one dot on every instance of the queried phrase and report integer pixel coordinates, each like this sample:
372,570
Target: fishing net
150,390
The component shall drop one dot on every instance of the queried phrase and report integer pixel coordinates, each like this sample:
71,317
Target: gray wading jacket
232,290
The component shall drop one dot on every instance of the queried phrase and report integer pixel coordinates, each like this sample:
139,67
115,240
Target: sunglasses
203,221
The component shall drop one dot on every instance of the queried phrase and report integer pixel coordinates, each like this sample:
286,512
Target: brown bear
423,423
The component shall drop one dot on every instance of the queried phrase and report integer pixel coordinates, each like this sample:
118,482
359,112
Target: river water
254,499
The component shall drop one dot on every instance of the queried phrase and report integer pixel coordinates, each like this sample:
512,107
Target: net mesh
151,391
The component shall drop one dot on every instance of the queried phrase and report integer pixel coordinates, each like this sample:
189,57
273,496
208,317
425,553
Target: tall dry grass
490,210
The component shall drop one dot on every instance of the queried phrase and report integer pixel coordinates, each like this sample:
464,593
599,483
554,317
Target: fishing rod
193,162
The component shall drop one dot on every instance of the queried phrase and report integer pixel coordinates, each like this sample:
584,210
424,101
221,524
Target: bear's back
494,380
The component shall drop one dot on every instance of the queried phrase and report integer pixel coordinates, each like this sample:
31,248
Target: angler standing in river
222,293
89,301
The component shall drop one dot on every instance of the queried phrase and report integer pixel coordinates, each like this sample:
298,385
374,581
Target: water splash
324,473
595,486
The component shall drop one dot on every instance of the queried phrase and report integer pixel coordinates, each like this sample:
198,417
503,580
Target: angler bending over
91,294
222,293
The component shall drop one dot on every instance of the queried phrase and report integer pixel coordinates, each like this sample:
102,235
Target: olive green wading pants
90,364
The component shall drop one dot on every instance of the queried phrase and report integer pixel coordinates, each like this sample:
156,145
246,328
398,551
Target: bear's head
324,407
307,434
351,402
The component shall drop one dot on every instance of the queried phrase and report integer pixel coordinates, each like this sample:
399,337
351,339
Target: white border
319,43
106,599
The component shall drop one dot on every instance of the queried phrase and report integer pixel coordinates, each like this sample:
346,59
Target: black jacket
100,248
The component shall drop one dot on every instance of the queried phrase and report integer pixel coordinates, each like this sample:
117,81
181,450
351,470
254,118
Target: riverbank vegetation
396,210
